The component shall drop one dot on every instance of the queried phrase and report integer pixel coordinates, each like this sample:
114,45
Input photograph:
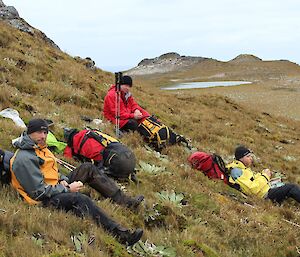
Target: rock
8,12
20,25
165,63
287,141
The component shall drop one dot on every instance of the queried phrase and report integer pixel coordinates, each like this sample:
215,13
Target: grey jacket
26,168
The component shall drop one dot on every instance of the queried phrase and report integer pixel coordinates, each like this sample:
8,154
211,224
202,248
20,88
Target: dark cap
241,151
126,80
35,125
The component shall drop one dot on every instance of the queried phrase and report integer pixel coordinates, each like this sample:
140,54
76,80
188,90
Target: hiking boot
133,203
129,202
124,236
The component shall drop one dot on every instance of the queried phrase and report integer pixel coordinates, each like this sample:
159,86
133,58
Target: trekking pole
118,78
68,166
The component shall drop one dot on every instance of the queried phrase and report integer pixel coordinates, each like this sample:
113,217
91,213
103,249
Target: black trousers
131,125
279,194
81,205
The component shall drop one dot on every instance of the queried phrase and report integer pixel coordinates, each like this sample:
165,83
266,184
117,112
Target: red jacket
91,148
127,107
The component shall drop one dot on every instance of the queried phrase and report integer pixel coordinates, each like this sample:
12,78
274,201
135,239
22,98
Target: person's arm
27,171
134,106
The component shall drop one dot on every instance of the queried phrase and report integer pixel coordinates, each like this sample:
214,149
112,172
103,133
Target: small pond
191,85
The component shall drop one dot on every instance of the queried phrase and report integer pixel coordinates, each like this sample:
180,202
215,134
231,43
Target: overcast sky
118,34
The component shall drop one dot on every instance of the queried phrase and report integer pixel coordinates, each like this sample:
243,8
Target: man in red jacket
131,114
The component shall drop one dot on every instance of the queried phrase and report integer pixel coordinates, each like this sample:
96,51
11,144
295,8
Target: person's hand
64,183
268,172
137,114
75,186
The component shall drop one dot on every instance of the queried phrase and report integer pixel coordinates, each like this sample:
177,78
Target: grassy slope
38,80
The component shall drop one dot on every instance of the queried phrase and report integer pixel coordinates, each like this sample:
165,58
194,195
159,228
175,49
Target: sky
118,34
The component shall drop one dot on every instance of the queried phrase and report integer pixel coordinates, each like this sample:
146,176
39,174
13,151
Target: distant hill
165,63
245,58
243,67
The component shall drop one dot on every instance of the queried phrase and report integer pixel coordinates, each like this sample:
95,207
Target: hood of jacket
24,142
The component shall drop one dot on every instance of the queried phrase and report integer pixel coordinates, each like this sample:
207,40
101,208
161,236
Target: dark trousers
279,194
81,205
131,125
89,174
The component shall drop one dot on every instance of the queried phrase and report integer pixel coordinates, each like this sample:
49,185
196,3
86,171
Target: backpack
118,161
157,134
100,137
212,165
5,175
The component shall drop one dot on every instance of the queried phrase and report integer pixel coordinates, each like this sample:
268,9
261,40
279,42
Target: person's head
126,84
68,135
37,130
244,155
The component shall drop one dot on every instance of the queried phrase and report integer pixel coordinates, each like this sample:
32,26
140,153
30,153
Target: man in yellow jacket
259,184
35,175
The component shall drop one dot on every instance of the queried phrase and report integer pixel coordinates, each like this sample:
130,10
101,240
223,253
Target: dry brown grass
215,221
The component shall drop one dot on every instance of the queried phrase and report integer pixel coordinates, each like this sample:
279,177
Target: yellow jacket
250,183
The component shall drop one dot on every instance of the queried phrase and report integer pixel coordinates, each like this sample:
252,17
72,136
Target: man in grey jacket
35,176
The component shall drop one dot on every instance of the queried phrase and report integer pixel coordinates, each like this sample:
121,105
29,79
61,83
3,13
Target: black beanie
240,152
35,125
126,80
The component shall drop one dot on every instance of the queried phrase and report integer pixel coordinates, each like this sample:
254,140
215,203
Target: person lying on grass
260,184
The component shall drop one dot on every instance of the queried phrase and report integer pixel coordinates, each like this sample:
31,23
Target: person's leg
81,205
90,174
131,125
279,194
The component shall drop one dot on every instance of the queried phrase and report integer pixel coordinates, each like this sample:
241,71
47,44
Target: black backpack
118,161
5,176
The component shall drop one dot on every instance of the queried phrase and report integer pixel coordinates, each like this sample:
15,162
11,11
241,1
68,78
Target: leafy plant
151,168
38,239
166,196
149,249
78,241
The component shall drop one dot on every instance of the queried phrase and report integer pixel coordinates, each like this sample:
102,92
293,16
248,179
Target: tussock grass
40,81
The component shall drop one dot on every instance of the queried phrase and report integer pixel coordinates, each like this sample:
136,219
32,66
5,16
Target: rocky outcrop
10,15
243,58
165,63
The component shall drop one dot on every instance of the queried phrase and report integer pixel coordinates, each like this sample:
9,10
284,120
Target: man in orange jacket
35,176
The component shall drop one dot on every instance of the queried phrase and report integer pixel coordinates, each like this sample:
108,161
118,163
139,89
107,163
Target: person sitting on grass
132,117
35,176
131,114
259,184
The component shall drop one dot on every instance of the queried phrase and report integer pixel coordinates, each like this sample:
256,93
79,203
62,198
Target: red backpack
211,165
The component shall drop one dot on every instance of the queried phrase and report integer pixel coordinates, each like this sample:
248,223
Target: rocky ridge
10,15
165,63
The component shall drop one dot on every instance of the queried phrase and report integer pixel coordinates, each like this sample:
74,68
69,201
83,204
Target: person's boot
130,202
124,236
